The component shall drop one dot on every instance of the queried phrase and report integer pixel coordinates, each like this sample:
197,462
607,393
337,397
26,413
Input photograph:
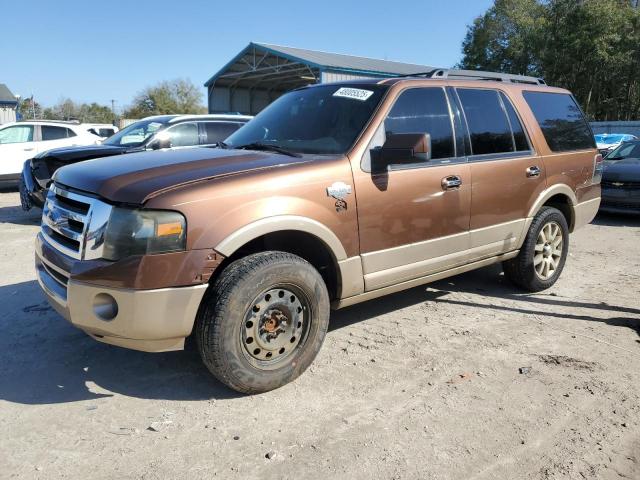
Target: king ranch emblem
339,191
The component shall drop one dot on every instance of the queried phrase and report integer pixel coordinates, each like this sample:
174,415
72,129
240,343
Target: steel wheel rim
275,326
548,250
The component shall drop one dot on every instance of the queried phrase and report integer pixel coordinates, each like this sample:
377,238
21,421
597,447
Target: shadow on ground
44,360
616,220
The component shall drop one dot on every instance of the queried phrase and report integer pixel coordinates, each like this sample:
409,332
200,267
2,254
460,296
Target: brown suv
333,195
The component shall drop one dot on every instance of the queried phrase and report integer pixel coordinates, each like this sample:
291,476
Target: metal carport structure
261,72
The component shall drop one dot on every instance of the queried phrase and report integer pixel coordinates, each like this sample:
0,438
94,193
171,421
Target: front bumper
30,192
620,200
155,320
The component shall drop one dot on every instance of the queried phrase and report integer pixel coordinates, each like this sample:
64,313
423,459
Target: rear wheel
263,321
543,253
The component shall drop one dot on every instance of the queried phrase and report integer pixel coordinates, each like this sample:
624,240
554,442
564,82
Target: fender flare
278,223
558,189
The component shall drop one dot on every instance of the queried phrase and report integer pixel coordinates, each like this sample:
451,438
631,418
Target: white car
20,141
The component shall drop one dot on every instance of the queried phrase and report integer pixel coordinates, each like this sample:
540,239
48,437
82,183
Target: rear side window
519,137
55,133
561,121
424,110
487,121
217,131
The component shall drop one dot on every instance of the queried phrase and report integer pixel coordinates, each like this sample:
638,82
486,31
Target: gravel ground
421,384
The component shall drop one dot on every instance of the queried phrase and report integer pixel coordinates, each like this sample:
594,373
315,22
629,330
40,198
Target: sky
98,51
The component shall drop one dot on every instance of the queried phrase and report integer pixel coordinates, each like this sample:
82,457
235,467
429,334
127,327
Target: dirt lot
421,384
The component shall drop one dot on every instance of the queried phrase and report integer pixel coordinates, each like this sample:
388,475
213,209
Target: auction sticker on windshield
353,93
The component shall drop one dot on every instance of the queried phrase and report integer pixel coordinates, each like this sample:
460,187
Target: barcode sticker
353,93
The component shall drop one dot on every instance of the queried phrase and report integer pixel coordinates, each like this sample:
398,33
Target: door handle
533,171
29,149
452,182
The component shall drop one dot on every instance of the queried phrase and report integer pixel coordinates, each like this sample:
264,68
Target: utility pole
113,111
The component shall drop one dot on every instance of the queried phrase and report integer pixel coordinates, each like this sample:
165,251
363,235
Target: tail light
598,166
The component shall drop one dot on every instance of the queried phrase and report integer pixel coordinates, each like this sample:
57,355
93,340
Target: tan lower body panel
395,265
149,320
345,302
585,212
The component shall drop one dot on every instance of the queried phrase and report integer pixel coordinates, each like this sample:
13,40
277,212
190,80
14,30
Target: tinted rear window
519,137
488,125
55,133
217,131
562,123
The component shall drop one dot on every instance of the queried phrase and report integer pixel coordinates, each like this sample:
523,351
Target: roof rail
476,75
489,76
66,122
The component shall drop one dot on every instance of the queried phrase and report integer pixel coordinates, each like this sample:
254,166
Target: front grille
74,223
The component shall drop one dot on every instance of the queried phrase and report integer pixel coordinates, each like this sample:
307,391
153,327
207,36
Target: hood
136,177
46,163
627,170
80,152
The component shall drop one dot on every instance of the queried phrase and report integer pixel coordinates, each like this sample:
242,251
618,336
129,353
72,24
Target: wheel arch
302,236
558,196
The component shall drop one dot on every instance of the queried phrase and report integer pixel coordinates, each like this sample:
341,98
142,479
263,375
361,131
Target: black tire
520,270
230,305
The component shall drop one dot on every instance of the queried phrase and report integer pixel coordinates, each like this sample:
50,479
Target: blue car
608,142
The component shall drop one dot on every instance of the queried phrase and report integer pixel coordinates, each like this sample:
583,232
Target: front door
414,217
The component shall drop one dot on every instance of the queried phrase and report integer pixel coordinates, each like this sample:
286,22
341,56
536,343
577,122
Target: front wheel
543,253
263,321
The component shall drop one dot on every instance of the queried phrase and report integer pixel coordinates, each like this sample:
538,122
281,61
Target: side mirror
161,140
401,148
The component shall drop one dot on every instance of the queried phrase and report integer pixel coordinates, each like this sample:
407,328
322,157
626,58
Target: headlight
142,232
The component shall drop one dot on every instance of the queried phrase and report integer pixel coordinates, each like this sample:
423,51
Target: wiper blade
268,147
221,145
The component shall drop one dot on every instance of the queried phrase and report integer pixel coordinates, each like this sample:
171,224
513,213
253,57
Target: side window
519,137
16,134
105,132
423,110
561,121
183,135
217,131
487,121
55,133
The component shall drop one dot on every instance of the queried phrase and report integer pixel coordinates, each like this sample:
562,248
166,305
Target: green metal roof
258,58
6,96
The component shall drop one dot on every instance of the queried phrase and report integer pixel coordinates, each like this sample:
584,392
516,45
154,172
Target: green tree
29,109
168,97
591,47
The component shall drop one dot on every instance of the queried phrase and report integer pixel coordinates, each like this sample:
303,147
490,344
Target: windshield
135,134
318,120
626,150
610,139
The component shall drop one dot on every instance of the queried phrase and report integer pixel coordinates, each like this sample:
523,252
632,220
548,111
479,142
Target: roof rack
478,75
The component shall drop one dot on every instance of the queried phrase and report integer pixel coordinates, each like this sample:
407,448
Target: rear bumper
149,320
585,212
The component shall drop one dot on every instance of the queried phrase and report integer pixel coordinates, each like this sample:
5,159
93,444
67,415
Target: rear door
54,136
507,174
411,222
217,131
17,144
